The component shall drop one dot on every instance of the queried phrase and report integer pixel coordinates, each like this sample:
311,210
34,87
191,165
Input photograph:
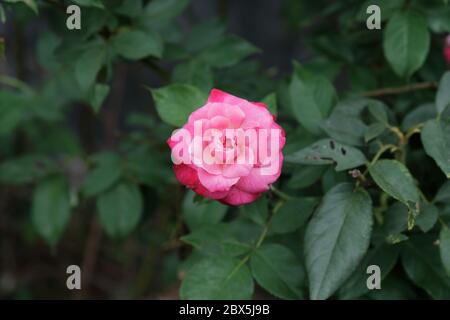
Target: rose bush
357,178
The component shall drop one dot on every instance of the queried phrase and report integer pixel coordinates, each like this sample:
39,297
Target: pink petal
215,182
255,116
232,112
186,175
238,197
260,104
219,122
200,113
256,182
217,95
201,190
236,170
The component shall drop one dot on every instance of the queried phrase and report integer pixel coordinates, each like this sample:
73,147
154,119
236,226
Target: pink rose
229,150
447,49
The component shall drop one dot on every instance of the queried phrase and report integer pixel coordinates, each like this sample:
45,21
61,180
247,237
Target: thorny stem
266,228
444,225
399,90
261,238
280,193
382,150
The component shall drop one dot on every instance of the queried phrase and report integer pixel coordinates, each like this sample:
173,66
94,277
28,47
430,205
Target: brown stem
399,90
111,112
90,256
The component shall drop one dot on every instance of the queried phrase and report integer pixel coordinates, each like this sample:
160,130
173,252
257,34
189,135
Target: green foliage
120,209
175,103
406,42
312,97
217,278
328,151
278,270
344,220
436,141
51,208
365,179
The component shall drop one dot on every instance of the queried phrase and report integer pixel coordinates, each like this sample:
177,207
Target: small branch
281,194
90,255
399,90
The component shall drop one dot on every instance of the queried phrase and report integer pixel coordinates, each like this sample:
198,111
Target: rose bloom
229,150
447,49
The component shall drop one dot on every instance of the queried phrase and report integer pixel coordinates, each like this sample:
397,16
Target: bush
85,171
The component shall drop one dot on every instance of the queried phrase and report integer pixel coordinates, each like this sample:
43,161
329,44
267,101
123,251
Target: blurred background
59,131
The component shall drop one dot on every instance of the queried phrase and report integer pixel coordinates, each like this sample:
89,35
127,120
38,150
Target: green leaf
217,278
25,169
336,239
406,42
29,3
88,65
130,9
312,97
176,102
345,124
444,248
436,141
332,178
120,209
396,180
217,239
378,110
395,288
158,12
257,211
419,115
428,217
271,102
443,93
384,256
422,263
373,131
200,214
50,211
204,35
194,72
439,18
99,94
229,51
278,270
90,3
443,195
395,220
292,215
147,167
107,172
305,177
136,44
328,151
12,111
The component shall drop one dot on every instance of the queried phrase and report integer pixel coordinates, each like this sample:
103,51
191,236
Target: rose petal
215,182
238,197
256,182
186,175
236,170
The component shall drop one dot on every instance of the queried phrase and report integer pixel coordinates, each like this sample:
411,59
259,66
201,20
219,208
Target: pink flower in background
447,49
229,150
